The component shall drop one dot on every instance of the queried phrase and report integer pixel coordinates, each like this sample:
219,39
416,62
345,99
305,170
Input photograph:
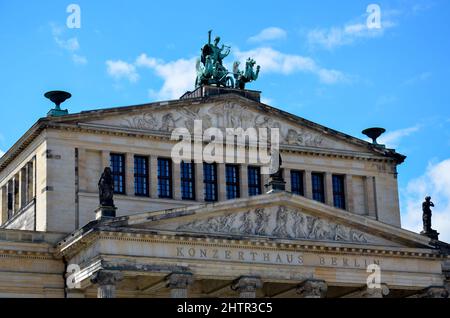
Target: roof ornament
374,134
211,71
58,97
426,217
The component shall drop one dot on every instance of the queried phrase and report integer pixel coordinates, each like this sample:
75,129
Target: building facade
206,229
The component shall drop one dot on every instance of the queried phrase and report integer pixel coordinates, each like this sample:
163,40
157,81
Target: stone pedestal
247,286
312,289
106,281
432,234
179,284
105,212
275,185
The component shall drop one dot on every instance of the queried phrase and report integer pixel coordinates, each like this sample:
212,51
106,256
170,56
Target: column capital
179,280
312,288
367,292
103,277
247,286
434,292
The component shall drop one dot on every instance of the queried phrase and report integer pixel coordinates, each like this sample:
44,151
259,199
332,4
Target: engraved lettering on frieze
280,222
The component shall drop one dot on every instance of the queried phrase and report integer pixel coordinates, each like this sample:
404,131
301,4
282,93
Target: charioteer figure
211,71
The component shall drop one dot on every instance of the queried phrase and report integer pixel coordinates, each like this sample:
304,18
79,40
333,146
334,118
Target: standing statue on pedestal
426,217
106,188
276,181
211,71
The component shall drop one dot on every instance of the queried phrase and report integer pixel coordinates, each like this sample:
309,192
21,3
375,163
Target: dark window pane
338,192
210,181
187,181
318,187
254,181
118,172
164,178
141,176
232,181
297,182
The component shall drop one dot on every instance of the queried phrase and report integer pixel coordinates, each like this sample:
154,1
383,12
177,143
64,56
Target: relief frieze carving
221,115
280,222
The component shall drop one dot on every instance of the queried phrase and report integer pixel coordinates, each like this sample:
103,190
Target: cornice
263,244
163,136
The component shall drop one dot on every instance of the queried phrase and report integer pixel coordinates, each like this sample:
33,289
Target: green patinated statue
211,71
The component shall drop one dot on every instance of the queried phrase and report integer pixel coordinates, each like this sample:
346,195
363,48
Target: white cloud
273,61
392,139
336,36
435,182
1,153
422,77
178,76
386,100
267,101
119,69
70,45
268,34
78,59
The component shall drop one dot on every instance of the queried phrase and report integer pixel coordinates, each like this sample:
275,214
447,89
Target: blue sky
318,61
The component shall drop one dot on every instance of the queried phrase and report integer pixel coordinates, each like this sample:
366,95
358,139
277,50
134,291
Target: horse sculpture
249,75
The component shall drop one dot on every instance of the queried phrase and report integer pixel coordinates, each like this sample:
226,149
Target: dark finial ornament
106,195
426,217
374,134
58,97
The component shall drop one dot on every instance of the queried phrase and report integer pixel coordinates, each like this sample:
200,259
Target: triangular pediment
280,216
222,112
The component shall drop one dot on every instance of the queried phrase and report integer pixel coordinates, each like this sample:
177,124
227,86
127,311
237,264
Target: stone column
308,185
243,178
176,178
106,160
82,170
3,205
199,185
287,179
312,289
16,192
329,189
247,286
129,174
348,189
106,281
179,284
434,292
221,182
31,179
370,196
153,169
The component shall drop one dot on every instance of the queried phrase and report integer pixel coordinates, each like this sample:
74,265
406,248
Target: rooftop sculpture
211,71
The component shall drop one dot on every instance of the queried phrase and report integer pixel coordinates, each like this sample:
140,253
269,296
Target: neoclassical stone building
199,229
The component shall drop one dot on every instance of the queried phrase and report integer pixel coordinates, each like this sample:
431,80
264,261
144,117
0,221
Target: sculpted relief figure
280,223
